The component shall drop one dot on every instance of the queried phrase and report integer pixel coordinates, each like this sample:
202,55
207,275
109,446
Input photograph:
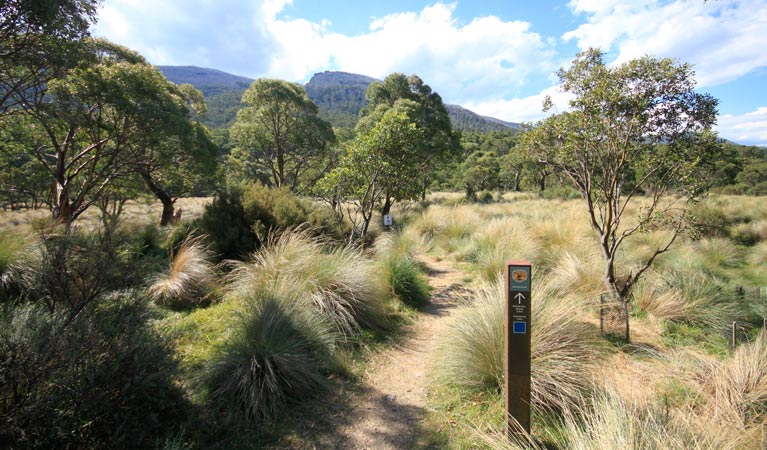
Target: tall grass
500,240
275,358
190,278
402,273
339,282
606,421
688,296
738,386
564,348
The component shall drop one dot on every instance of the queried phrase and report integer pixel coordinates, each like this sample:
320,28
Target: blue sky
494,57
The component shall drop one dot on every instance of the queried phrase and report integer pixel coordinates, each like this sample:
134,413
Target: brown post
517,346
734,335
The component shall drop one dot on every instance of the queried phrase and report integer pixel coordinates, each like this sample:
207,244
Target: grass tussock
564,348
274,359
190,279
737,387
402,273
691,297
339,282
606,421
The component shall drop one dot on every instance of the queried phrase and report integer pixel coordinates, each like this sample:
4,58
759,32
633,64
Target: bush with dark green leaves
96,376
225,222
80,364
241,218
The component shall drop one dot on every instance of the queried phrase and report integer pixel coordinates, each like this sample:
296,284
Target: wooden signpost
517,346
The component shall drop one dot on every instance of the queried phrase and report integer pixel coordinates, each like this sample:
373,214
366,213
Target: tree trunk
166,200
386,206
62,209
517,181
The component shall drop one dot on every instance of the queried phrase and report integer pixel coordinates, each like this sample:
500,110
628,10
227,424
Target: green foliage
635,128
227,226
95,376
480,172
404,275
279,132
241,218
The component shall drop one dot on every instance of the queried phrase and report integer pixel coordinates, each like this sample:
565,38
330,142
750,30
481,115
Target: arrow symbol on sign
520,296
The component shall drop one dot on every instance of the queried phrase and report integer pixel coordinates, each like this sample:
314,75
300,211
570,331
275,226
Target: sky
495,57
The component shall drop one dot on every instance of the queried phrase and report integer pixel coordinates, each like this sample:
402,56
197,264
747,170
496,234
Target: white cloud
750,128
483,59
521,110
723,39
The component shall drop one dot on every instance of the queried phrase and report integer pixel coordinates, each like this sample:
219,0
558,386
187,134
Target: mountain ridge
339,96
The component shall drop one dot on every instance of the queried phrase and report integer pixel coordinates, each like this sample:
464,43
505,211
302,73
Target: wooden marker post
517,346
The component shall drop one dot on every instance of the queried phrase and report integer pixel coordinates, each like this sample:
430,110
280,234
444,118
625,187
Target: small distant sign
388,220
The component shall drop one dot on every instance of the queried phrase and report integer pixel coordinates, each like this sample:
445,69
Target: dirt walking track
388,411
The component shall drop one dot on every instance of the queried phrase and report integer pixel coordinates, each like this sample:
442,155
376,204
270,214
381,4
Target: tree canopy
636,128
279,132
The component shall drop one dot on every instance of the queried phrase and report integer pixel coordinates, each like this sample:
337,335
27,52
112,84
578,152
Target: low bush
402,273
92,377
225,223
241,218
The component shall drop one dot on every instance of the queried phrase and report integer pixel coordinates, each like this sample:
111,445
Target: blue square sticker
519,327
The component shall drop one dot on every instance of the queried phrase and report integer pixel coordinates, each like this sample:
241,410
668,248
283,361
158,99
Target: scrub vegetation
167,286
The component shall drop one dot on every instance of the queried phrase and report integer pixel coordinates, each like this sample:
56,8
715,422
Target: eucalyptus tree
37,41
176,156
94,121
637,133
279,132
437,145
378,163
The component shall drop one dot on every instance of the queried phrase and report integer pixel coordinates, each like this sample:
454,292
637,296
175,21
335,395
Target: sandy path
391,405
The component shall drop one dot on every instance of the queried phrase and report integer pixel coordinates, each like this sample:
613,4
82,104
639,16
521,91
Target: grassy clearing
656,393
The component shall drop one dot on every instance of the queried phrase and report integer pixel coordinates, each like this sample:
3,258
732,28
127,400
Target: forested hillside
339,96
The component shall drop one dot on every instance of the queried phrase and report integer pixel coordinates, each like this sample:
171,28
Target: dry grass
341,283
737,387
564,347
190,278
138,212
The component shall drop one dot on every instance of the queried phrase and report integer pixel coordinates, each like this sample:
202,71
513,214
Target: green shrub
241,218
225,223
95,377
279,209
407,281
69,268
274,359
402,273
